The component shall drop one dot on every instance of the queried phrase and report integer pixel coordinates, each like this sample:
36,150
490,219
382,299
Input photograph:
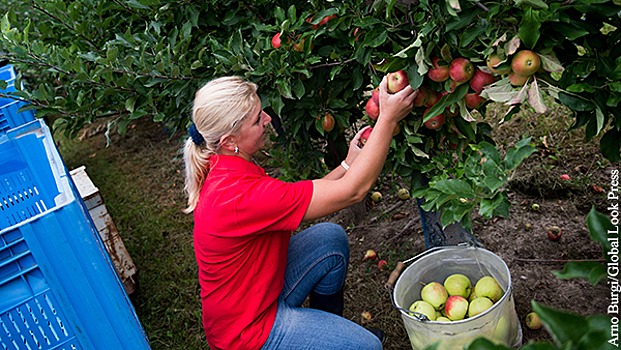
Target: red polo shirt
242,226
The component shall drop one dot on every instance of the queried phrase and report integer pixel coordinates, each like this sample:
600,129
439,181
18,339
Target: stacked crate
58,287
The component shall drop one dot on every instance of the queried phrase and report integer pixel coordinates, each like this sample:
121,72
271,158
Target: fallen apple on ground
533,321
554,233
403,194
376,197
370,255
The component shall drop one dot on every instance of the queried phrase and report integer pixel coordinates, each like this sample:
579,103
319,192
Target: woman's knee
334,235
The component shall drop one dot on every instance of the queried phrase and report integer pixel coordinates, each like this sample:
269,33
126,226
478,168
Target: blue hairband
196,136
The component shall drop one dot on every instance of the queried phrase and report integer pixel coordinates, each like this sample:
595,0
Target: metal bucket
499,324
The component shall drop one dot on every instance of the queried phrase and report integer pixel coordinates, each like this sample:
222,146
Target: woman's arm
330,196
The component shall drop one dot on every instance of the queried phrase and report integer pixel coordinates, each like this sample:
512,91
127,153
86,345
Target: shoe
378,333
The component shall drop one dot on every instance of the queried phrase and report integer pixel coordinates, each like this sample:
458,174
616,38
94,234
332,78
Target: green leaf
609,145
517,154
459,188
600,225
592,271
540,4
485,344
575,102
529,28
5,24
563,326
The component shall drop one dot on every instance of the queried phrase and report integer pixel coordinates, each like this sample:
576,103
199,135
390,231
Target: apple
423,307
397,81
461,70
375,95
435,294
423,95
435,122
370,255
458,284
433,98
487,286
472,296
525,63
533,321
366,315
456,307
480,79
327,122
443,319
565,177
535,207
403,194
517,80
497,65
372,109
364,137
276,41
478,305
438,73
554,233
474,100
382,264
376,197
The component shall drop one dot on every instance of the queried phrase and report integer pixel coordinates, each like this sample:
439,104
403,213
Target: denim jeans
318,260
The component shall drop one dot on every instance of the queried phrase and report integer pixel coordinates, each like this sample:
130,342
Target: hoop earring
236,150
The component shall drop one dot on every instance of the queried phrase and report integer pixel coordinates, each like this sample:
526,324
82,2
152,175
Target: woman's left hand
354,147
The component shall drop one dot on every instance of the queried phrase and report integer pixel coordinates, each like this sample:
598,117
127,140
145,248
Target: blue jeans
318,260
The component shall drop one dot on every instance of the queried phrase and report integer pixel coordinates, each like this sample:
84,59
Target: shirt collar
221,162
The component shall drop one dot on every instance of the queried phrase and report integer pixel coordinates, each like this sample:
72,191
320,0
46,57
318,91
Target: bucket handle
394,275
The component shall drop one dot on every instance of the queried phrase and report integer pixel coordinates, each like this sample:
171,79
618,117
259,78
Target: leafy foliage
136,59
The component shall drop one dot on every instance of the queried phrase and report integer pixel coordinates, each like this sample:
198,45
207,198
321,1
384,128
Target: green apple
403,194
435,294
423,307
456,307
376,197
443,319
533,321
458,284
487,286
478,305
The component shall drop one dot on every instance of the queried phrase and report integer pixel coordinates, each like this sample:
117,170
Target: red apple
474,100
372,109
525,63
375,95
435,122
461,70
276,41
438,73
328,122
517,80
480,79
497,65
365,136
456,307
433,98
382,264
397,81
554,233
565,177
423,95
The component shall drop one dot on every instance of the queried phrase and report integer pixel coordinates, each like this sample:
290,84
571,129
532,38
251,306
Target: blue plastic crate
10,117
58,287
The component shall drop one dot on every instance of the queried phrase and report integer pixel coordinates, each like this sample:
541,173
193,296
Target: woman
254,275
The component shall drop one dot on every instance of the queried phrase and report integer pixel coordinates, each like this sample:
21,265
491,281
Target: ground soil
394,230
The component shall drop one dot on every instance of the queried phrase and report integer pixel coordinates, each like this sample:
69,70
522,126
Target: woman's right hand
395,106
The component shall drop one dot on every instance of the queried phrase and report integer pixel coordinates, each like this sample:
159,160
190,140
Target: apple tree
316,64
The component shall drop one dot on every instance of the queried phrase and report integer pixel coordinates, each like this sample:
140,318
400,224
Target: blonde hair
220,107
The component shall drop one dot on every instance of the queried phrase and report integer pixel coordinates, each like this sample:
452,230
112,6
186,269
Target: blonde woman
254,274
